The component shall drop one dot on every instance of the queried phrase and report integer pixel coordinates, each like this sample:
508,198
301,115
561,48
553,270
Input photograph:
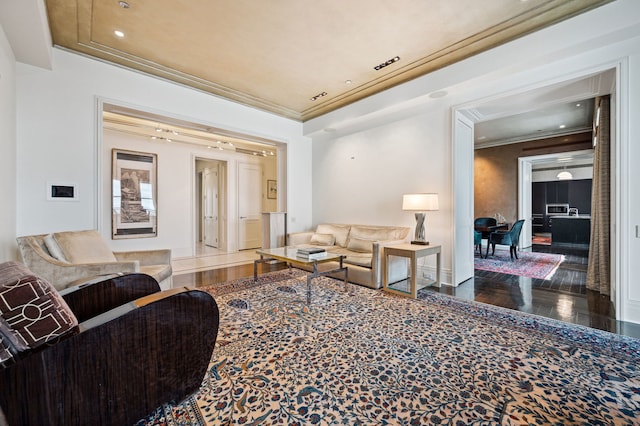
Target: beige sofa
362,246
66,257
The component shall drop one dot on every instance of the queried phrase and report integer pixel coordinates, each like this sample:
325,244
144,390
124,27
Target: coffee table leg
346,281
255,270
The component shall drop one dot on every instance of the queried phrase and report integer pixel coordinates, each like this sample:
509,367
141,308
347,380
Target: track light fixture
319,95
385,64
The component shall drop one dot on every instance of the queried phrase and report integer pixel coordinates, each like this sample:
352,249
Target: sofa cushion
54,249
32,312
84,247
361,260
341,232
378,233
323,239
359,245
352,257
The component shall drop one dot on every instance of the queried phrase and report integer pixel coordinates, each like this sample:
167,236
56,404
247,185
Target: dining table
486,230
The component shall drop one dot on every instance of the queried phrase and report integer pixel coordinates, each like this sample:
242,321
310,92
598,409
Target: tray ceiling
280,55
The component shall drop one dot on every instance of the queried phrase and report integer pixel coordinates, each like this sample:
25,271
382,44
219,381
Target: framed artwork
134,189
272,189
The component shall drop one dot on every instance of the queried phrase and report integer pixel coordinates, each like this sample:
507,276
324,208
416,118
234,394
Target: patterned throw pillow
32,312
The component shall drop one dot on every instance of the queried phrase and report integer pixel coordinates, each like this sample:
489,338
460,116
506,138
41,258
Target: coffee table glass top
291,254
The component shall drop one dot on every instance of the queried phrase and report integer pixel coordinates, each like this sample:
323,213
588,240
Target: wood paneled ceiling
278,55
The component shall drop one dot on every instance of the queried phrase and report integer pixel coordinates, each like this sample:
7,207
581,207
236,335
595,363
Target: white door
249,206
462,199
210,204
524,203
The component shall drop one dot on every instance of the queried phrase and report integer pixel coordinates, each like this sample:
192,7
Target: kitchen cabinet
558,192
576,193
571,230
580,195
538,197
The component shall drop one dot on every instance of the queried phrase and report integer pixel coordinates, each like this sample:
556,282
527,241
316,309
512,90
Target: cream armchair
66,257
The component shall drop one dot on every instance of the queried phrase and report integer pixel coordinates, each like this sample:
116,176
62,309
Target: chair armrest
146,257
297,238
97,295
63,275
119,370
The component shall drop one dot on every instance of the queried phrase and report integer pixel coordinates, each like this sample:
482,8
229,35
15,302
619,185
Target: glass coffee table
289,255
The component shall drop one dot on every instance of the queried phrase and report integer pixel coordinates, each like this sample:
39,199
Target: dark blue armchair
477,241
508,238
484,222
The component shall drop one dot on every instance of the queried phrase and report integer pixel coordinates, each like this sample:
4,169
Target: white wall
58,138
401,138
7,151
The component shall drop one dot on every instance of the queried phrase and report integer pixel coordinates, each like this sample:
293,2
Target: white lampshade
420,202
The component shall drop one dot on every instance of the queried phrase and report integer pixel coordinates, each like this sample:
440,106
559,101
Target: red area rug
528,264
536,239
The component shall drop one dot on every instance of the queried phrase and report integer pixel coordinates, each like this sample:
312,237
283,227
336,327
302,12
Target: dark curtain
598,268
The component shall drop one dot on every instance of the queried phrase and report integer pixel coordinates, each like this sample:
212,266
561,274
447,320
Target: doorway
210,209
502,105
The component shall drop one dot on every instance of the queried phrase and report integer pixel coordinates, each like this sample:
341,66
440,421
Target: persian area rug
529,264
365,357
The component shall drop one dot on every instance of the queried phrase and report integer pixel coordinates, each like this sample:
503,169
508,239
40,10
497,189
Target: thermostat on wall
62,192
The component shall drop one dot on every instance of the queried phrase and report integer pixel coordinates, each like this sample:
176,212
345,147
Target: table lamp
420,203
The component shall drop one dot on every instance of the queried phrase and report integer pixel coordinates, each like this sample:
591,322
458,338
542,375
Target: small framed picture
272,189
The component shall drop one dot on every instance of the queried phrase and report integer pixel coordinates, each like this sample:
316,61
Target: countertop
582,216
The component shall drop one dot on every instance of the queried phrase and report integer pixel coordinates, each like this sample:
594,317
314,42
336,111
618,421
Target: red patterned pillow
32,312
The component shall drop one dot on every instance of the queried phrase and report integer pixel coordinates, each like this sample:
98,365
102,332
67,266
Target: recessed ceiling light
119,33
438,94
158,129
562,126
347,82
578,104
124,4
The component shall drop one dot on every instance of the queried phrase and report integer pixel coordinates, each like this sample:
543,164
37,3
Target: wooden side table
412,252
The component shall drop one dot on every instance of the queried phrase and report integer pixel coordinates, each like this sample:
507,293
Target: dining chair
508,238
477,241
484,222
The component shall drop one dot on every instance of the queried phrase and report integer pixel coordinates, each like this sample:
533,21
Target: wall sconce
420,203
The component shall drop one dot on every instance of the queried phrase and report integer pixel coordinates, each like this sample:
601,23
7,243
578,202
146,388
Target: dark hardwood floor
564,297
